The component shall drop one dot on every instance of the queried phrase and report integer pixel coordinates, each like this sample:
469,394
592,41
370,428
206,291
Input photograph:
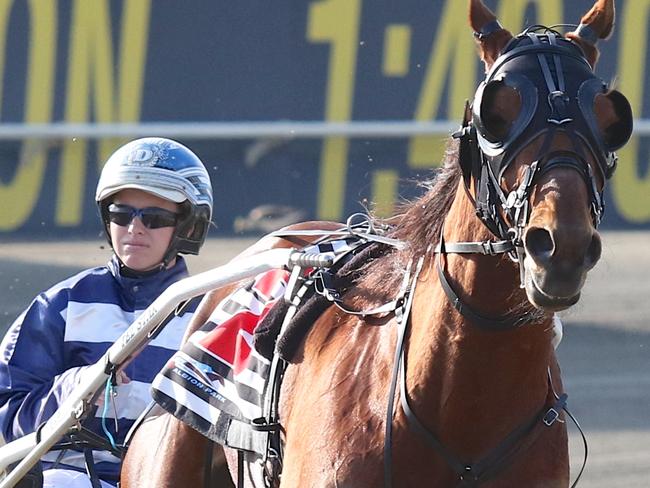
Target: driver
155,201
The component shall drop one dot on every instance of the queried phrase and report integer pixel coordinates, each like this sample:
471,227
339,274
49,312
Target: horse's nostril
539,244
593,251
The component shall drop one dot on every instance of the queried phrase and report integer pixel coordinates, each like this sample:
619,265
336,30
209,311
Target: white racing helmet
166,169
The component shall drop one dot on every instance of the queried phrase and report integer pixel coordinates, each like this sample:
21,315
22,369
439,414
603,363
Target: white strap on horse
358,225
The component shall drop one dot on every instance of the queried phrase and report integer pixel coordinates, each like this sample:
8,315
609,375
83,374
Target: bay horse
466,390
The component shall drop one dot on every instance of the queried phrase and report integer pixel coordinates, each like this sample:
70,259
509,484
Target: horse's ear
596,24
490,36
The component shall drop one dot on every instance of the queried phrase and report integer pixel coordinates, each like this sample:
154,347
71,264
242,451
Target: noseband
557,88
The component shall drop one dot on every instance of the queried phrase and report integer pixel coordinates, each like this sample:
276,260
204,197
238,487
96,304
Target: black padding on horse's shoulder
305,317
266,332
343,280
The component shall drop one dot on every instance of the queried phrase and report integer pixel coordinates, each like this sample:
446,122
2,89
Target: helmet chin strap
170,254
134,273
182,228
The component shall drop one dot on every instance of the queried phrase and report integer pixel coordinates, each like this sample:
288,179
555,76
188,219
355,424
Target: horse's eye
614,116
497,125
500,106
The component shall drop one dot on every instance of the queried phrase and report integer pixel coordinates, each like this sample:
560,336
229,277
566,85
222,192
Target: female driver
155,201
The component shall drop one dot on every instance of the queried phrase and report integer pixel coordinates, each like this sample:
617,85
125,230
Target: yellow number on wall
336,22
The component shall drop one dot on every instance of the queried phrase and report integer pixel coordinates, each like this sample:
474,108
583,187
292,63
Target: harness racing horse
459,385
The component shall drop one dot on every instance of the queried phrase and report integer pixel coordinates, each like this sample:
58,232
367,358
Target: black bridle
557,89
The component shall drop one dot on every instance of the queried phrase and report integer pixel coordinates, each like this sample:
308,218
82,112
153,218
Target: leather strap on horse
240,468
491,464
517,441
505,322
494,324
401,316
469,475
207,466
90,468
488,29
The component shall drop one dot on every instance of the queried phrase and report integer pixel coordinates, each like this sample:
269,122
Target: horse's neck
486,374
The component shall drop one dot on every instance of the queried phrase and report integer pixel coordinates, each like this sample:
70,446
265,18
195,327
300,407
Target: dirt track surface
605,354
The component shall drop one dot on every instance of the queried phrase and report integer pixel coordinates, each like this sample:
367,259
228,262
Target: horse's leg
184,456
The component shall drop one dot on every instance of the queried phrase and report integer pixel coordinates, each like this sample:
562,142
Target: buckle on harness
323,284
488,248
468,475
261,424
550,417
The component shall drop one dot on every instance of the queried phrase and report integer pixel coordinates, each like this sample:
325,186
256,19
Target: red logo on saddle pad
235,318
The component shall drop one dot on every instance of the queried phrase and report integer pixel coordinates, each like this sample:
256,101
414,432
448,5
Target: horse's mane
418,223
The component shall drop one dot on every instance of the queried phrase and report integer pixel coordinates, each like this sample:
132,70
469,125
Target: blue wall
327,60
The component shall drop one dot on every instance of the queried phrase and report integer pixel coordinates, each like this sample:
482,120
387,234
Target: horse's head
538,147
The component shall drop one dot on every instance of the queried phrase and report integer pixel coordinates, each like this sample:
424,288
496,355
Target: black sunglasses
151,217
